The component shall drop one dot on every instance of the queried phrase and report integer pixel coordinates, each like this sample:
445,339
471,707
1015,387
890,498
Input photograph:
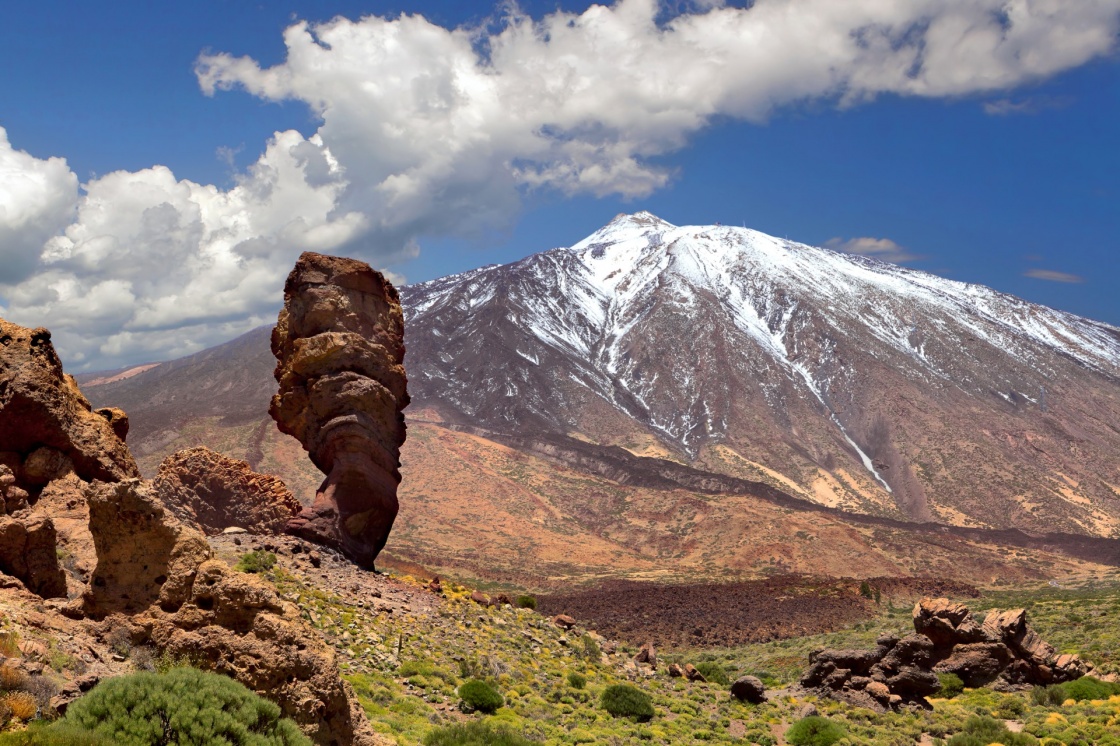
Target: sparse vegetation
256,562
526,602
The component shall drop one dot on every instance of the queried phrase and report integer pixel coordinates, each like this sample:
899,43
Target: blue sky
988,162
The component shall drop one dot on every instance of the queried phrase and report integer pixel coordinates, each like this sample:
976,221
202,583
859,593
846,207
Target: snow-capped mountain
836,377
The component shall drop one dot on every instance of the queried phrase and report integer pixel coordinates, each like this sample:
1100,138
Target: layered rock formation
339,346
214,492
1003,650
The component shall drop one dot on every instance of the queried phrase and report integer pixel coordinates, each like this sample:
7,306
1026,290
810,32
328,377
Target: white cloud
37,199
881,248
428,131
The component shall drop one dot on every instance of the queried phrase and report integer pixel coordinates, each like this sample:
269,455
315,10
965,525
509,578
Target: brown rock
647,654
675,671
435,586
12,497
977,663
749,689
562,620
339,346
480,598
205,488
946,623
235,624
692,674
42,408
878,690
28,552
144,553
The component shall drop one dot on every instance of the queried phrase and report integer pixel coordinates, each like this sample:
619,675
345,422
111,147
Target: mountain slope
841,379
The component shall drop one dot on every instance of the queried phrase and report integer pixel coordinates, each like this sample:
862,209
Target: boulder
214,492
675,671
647,654
563,621
339,346
748,689
692,674
45,421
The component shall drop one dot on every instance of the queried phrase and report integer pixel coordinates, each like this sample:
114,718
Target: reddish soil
720,615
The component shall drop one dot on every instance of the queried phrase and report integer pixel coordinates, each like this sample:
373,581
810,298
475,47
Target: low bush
713,672
625,700
814,731
479,696
1047,696
982,731
1087,688
527,602
182,706
951,685
258,561
577,680
475,733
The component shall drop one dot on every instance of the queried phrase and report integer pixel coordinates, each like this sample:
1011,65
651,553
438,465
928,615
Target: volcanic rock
1004,650
214,492
144,554
748,689
27,552
692,674
235,624
47,424
339,343
945,622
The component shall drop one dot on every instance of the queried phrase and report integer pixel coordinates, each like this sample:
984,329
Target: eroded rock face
27,552
235,624
339,343
47,428
214,492
1003,650
144,554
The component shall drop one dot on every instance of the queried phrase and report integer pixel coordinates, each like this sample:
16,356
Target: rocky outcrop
748,689
339,346
1003,650
27,552
214,492
47,428
144,554
235,624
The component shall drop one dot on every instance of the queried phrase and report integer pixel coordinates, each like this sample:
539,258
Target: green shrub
865,590
183,706
475,733
258,561
951,685
1087,688
527,602
624,700
713,672
814,731
981,731
577,680
1047,696
479,696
